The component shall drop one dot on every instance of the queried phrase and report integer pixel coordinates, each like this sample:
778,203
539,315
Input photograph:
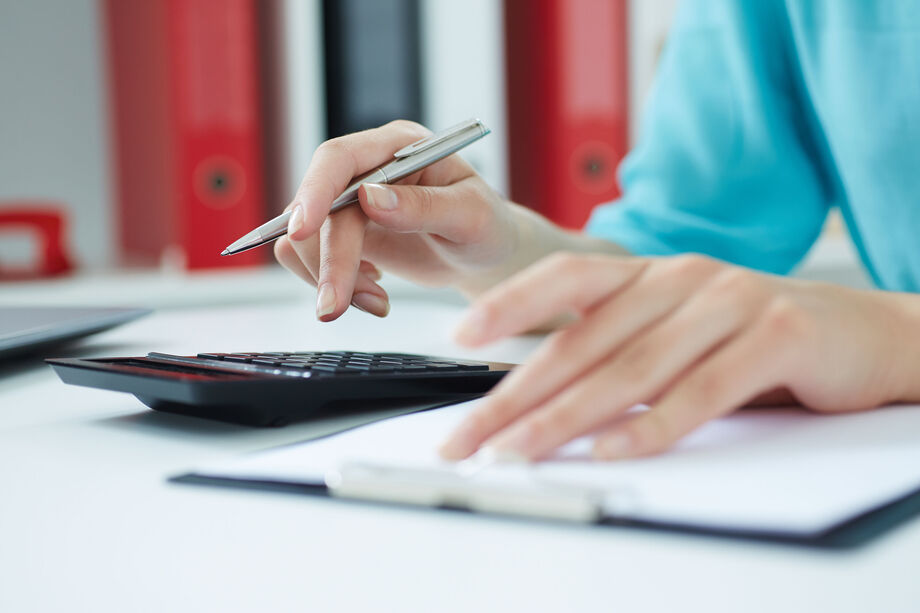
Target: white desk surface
88,521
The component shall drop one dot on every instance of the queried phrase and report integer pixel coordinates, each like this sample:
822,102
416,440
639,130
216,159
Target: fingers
749,365
559,284
367,295
628,349
333,261
640,371
336,163
373,273
460,212
340,245
290,259
574,351
370,297
287,257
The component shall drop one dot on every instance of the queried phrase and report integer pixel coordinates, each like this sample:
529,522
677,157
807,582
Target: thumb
461,212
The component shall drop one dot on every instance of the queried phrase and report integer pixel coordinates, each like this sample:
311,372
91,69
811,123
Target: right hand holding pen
441,226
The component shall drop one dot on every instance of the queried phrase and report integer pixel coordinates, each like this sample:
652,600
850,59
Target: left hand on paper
691,337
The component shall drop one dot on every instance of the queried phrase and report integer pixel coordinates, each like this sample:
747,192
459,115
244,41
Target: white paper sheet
766,470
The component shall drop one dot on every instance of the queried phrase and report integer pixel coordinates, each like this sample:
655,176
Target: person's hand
440,226
691,337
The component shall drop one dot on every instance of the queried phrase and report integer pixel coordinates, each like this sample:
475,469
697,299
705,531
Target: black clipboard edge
848,535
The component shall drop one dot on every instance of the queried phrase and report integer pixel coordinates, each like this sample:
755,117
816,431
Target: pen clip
438,137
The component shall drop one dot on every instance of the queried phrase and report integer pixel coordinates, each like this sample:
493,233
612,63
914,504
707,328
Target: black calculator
275,388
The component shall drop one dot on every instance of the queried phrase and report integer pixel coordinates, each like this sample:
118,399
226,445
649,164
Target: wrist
903,328
523,236
532,238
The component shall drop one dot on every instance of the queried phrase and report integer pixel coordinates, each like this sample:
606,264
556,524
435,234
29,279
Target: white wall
53,136
303,78
464,76
649,21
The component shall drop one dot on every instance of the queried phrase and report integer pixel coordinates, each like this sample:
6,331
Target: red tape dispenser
43,225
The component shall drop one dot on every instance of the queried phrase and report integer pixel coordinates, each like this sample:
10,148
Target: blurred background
140,137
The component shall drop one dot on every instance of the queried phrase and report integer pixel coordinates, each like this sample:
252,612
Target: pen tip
225,252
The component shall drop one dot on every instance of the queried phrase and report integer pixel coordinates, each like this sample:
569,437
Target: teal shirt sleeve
725,164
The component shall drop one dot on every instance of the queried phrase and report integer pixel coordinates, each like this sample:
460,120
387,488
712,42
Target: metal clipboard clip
450,488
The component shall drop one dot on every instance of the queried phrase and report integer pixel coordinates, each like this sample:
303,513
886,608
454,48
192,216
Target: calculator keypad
320,363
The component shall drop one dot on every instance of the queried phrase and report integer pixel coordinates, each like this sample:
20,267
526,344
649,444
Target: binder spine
568,101
372,57
216,108
188,130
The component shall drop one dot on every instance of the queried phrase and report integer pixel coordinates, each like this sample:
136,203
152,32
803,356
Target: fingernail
372,303
325,301
613,447
380,197
295,223
471,328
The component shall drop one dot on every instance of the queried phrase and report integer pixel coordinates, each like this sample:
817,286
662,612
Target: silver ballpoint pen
409,159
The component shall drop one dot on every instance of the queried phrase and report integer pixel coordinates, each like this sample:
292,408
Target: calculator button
323,368
266,362
211,356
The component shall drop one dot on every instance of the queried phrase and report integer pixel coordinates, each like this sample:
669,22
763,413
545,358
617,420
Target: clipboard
563,502
852,534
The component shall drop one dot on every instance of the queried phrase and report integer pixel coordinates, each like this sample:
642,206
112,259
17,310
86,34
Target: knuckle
322,185
334,147
563,262
705,388
731,283
635,362
691,264
410,127
785,318
733,278
425,201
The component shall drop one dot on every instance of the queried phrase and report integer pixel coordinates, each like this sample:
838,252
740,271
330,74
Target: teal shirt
764,115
